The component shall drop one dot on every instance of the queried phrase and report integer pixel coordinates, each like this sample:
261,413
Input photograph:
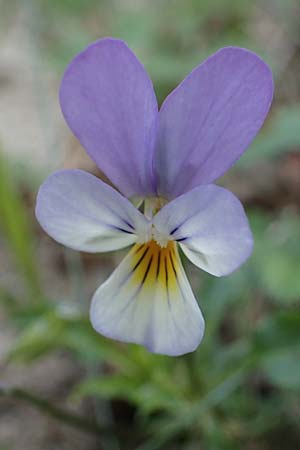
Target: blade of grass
16,227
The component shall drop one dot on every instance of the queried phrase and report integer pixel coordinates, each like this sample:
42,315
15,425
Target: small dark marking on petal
178,226
122,229
174,230
141,259
167,283
181,239
128,224
166,272
147,270
173,266
138,249
158,265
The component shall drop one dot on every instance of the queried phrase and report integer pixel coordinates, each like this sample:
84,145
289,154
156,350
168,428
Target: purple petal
108,102
210,224
210,119
82,212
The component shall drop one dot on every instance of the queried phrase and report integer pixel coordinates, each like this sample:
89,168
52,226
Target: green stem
212,398
71,419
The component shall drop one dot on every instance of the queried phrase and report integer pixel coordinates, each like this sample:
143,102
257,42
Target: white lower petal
84,213
148,300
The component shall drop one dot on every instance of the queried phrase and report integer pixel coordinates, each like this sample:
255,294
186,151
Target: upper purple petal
209,120
108,102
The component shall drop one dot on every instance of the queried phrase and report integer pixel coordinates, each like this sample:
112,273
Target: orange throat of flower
155,265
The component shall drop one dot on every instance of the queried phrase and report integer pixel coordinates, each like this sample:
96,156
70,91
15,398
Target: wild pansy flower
167,159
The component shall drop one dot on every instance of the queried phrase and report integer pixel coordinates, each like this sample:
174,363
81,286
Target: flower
168,159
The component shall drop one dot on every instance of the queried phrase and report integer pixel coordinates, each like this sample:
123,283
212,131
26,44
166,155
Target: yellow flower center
153,264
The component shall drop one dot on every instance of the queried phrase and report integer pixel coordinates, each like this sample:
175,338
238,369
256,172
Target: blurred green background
63,386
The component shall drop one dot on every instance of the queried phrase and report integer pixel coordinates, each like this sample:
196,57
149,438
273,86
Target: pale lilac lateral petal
210,119
210,224
108,102
148,300
82,212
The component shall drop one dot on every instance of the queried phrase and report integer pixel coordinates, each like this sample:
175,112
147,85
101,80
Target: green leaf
109,386
280,331
276,256
283,368
42,337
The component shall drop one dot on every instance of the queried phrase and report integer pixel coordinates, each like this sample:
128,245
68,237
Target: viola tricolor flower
168,160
